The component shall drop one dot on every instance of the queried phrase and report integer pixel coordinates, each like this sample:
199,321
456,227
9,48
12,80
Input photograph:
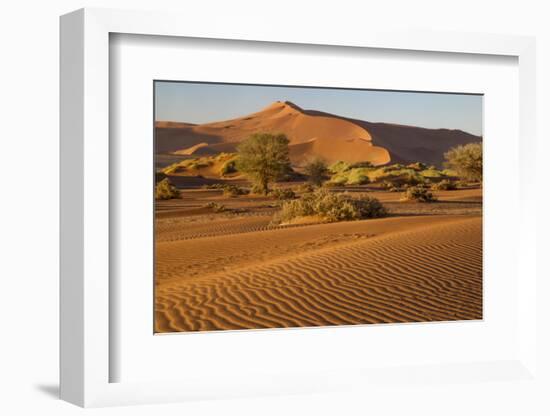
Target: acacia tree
264,158
316,170
466,160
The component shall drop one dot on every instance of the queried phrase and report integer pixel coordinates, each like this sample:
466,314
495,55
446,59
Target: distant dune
314,134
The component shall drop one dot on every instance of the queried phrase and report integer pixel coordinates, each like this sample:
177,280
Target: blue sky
203,102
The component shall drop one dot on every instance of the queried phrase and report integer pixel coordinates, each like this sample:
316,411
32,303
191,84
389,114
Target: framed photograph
279,214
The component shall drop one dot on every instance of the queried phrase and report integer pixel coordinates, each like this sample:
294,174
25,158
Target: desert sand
235,271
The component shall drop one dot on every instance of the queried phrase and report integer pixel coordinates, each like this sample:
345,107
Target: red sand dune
314,134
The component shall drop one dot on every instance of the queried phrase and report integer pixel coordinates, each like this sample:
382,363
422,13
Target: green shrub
431,173
419,194
364,172
338,179
282,193
418,166
229,167
444,185
392,187
340,166
233,190
413,178
395,166
358,176
330,207
369,207
379,174
165,190
216,207
365,164
227,188
388,172
353,176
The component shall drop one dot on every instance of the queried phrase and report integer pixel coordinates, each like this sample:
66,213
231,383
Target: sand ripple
430,272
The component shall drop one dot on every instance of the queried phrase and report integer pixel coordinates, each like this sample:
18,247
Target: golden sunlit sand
219,271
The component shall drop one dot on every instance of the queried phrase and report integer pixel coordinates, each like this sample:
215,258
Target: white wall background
29,57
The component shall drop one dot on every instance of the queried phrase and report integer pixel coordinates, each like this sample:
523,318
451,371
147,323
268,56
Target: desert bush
330,207
358,176
389,172
466,161
412,178
316,170
338,179
364,164
418,166
229,167
444,185
233,190
392,187
304,188
353,176
165,190
431,173
395,166
213,186
419,194
227,188
282,193
339,166
379,174
369,207
321,203
215,206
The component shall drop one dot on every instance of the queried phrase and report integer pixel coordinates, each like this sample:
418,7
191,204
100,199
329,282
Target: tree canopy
317,171
466,161
264,158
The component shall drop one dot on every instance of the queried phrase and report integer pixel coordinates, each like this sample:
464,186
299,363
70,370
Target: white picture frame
85,210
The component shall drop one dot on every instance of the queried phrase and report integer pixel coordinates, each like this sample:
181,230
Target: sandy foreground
239,273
